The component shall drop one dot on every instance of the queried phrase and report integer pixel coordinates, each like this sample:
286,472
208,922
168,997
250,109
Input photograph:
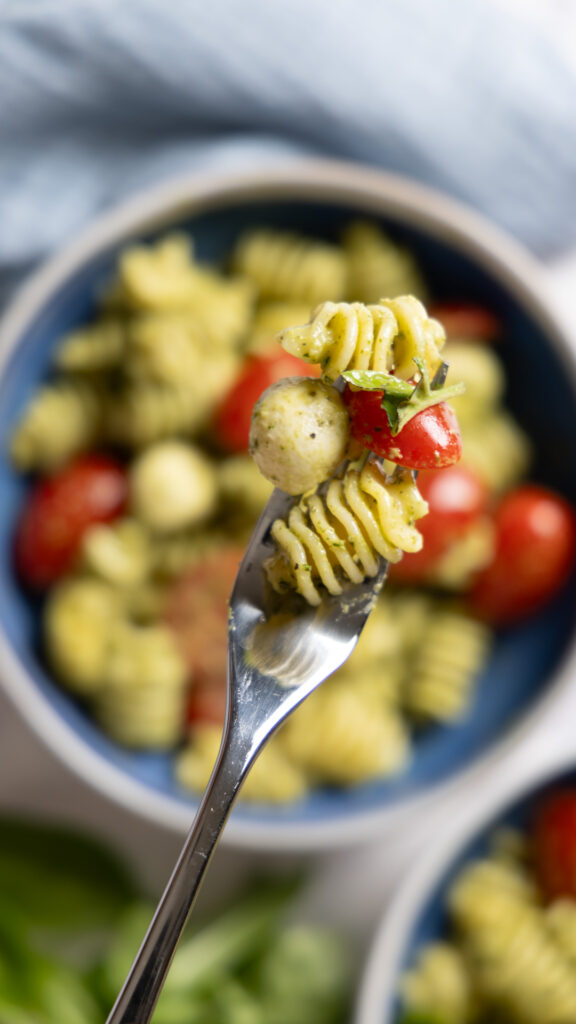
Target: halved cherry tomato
553,844
59,509
466,321
197,612
430,440
456,498
232,418
534,554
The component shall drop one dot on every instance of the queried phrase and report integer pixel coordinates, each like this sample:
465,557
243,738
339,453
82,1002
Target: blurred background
100,100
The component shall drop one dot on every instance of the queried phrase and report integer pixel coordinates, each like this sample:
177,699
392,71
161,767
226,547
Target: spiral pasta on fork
335,538
387,336
305,437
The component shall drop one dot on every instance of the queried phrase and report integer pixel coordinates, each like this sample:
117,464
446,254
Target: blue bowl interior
432,923
540,395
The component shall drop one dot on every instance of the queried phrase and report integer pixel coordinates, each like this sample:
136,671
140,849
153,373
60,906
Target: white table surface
348,888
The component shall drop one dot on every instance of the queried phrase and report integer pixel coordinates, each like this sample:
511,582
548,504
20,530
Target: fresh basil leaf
305,976
65,998
233,939
391,407
37,988
125,943
52,877
13,1012
234,1004
377,380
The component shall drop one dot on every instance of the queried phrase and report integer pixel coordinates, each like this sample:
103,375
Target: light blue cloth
101,97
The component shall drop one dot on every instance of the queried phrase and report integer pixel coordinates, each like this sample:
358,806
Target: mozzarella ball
299,433
172,486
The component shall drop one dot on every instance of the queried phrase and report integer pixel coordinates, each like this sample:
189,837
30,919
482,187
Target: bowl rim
377,989
371,191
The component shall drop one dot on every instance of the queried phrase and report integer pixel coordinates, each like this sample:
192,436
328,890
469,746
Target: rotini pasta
146,412
157,277
77,622
173,553
270,318
118,553
560,920
377,266
142,696
242,487
350,336
441,980
509,956
93,348
340,736
283,265
497,449
273,779
167,348
63,419
516,962
483,375
466,555
452,650
224,308
329,540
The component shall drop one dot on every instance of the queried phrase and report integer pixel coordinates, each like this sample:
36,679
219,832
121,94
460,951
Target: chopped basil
403,399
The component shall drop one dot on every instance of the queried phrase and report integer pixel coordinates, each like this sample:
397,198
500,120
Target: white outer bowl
372,192
500,785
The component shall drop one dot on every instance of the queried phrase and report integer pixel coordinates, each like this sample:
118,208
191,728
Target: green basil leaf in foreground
305,976
37,989
52,877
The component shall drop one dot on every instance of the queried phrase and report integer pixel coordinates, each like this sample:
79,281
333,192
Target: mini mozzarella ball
299,433
172,485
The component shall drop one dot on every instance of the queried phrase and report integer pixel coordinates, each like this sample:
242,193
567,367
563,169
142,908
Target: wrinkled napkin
99,98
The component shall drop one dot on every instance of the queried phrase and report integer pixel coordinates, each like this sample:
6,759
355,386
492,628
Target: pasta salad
143,496
510,950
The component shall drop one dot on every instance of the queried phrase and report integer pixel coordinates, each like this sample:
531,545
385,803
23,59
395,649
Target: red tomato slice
430,440
553,845
59,509
456,498
232,418
465,321
534,555
197,611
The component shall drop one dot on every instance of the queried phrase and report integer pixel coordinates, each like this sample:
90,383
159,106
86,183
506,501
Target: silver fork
275,660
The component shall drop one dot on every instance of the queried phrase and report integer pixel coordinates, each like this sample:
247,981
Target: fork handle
139,995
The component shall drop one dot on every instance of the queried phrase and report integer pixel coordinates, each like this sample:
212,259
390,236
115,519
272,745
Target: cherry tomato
553,844
430,440
456,498
534,555
59,509
465,321
207,702
232,418
197,611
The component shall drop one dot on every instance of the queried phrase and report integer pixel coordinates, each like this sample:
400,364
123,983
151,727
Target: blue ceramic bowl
460,255
418,914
